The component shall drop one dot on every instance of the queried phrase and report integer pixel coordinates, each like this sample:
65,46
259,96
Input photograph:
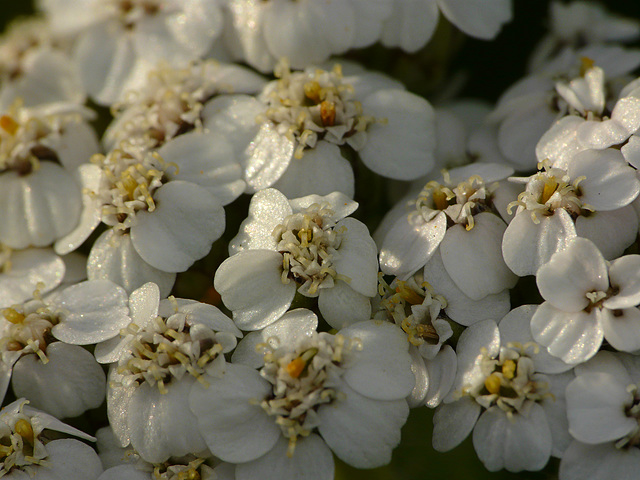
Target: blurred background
450,65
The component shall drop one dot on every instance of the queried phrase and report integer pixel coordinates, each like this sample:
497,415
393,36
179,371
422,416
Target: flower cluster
258,258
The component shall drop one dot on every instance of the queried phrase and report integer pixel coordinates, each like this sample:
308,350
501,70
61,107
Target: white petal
595,407
411,24
453,422
251,287
526,246
621,328
460,308
362,431
342,306
623,276
357,260
631,151
29,268
92,311
421,374
599,462
340,203
410,244
570,274
473,258
234,426
312,460
521,442
609,182
559,144
268,209
478,18
403,146
90,177
612,231
574,337
113,257
208,160
267,157
382,369
85,463
442,373
516,327
56,388
182,228
161,425
291,329
520,132
321,170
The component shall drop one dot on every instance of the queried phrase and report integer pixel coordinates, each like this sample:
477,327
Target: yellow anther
295,367
8,124
13,316
25,430
550,187
411,296
312,90
492,383
509,369
440,200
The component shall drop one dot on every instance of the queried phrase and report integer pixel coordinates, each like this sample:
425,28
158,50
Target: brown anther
586,64
328,113
440,200
312,91
295,367
14,346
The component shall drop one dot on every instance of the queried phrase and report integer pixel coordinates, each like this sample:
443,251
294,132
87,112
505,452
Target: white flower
164,207
22,271
35,67
40,200
291,136
118,42
413,307
306,245
454,214
590,199
587,299
602,407
58,377
306,32
171,101
514,410
581,23
28,451
168,347
319,393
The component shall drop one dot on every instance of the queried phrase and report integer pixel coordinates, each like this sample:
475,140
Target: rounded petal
29,268
599,462
250,284
621,328
86,463
403,146
478,18
312,460
182,228
612,231
442,374
342,306
113,257
453,422
572,273
623,276
473,258
357,261
574,337
234,426
267,157
56,388
362,431
519,442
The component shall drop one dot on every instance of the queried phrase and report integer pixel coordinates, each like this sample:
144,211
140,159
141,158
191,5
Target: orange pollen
295,367
328,113
8,124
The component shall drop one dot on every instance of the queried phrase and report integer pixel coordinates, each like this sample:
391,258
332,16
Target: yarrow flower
319,393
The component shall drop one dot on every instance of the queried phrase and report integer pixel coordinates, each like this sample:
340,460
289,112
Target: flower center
509,380
28,330
308,241
170,348
315,105
189,470
24,138
398,300
21,447
550,190
459,202
131,12
133,177
298,380
170,105
632,411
